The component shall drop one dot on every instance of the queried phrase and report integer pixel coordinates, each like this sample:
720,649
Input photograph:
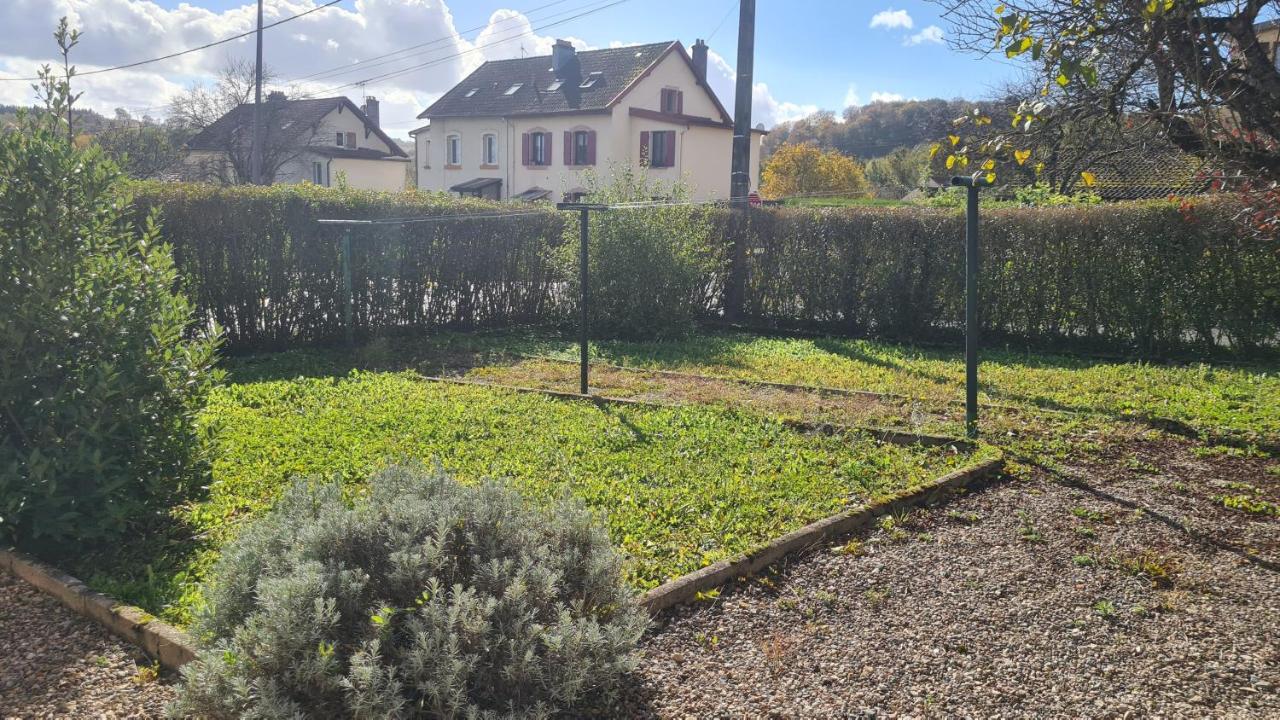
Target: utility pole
740,177
740,171
255,151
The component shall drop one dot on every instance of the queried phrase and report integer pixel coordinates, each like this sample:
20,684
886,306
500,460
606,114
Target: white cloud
765,108
931,34
117,31
892,19
886,97
851,96
436,56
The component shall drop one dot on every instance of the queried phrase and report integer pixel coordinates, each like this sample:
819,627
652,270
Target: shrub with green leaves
101,376
425,598
653,269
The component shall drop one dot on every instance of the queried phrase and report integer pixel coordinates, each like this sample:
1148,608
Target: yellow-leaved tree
806,169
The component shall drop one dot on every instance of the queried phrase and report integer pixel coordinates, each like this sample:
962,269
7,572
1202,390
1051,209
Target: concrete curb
685,588
171,647
889,435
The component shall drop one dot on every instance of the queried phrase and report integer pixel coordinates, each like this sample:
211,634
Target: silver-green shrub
423,598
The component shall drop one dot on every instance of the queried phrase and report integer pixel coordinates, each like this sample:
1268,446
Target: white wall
703,154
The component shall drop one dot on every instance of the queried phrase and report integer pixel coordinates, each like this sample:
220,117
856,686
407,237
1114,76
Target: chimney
700,60
371,110
276,96
564,60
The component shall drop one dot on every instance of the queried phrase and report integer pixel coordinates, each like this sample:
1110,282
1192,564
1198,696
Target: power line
206,46
437,61
341,69
733,5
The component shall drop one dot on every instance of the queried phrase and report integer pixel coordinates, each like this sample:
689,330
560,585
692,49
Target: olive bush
423,598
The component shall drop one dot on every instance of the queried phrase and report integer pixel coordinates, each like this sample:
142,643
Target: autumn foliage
805,169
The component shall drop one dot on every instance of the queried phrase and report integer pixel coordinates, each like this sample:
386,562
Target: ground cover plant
683,487
1239,402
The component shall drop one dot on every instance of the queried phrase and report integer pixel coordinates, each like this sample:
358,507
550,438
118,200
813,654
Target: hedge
1153,277
259,264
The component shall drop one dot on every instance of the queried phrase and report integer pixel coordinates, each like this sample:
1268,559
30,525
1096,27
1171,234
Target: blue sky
809,52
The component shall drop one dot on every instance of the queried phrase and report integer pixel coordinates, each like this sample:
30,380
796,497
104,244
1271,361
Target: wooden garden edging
166,644
686,587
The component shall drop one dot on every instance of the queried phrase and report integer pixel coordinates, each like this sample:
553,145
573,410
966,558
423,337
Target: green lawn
682,487
1240,401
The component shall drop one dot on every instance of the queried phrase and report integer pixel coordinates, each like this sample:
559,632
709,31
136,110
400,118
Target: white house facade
316,140
531,128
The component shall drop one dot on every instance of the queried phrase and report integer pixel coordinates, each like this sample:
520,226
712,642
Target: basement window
514,89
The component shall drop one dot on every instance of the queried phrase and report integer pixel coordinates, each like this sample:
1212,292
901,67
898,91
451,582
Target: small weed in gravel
852,548
964,518
1138,465
1159,569
1028,531
1084,561
1105,608
1249,504
146,674
876,597
1087,514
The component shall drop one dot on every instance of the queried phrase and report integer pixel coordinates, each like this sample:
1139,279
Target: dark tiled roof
618,68
286,121
1150,174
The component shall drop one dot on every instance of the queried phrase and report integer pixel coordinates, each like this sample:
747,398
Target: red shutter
568,148
680,102
591,147
546,154
644,149
524,149
671,148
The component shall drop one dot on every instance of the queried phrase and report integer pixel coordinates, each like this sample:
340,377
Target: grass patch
683,487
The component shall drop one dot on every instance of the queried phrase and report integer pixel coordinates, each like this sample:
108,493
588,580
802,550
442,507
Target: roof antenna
522,50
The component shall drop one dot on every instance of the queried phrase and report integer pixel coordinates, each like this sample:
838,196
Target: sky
810,54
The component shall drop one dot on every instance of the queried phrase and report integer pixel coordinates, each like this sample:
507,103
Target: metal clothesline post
971,321
584,330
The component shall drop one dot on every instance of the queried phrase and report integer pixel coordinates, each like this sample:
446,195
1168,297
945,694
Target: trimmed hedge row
1153,277
259,264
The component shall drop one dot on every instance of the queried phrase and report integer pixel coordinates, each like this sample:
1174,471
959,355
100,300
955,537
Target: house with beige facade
317,140
532,128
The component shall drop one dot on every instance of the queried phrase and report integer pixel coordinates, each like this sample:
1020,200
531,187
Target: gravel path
56,664
1137,594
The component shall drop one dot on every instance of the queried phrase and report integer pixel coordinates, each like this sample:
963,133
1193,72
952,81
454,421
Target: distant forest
874,130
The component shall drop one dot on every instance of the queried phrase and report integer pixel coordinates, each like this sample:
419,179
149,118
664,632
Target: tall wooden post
740,172
255,151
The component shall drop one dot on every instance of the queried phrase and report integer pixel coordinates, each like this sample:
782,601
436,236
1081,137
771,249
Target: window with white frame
426,161
317,173
489,149
453,150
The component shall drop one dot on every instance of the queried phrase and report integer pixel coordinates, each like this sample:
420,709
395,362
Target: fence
1153,277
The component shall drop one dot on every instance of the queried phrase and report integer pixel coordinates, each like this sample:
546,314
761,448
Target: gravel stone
56,664
1036,597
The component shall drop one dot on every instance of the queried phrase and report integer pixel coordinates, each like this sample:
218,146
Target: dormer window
472,92
592,80
514,89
